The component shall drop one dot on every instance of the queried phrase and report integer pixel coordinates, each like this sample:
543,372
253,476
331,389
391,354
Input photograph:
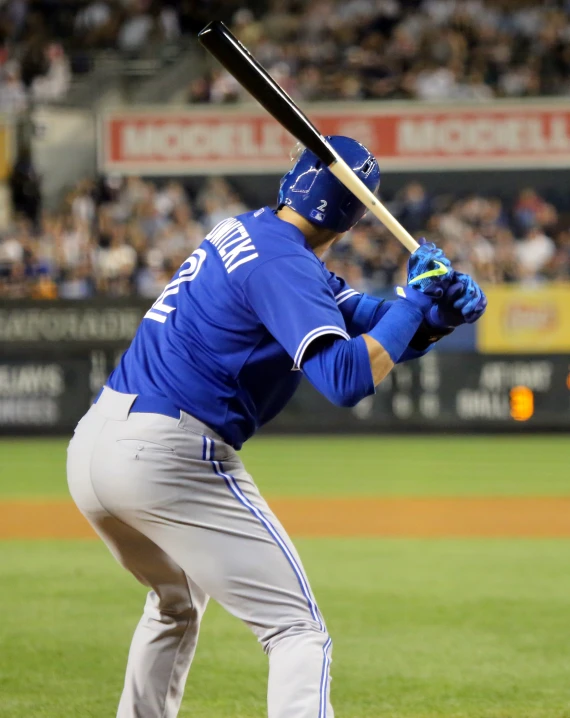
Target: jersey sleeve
346,297
292,299
360,311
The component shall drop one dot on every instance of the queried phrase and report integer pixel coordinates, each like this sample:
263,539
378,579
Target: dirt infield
343,517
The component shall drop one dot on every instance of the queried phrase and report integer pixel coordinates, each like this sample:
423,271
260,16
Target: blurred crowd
44,42
526,241
34,66
115,237
127,236
399,49
317,49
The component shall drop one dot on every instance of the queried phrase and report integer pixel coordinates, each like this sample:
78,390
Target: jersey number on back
160,310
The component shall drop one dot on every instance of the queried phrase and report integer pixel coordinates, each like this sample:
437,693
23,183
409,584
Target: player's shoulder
250,240
274,236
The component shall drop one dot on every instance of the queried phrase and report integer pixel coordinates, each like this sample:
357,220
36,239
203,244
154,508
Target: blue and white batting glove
463,302
429,275
429,270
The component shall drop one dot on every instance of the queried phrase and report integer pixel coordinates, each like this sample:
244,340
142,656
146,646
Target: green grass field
422,629
347,466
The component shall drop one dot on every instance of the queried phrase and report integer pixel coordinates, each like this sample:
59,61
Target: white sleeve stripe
341,294
342,299
311,336
318,330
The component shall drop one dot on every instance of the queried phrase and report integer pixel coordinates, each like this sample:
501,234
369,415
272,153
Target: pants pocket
143,446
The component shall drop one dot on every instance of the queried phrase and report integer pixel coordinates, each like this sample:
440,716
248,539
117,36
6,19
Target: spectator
25,187
435,83
199,90
224,88
54,85
97,24
93,17
83,205
530,209
153,277
168,25
115,263
44,287
136,29
77,282
534,252
13,97
413,206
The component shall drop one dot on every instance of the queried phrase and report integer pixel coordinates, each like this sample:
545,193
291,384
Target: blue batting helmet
314,192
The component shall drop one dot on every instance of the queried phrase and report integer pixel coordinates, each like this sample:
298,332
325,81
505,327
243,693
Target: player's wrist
397,327
427,335
414,297
441,319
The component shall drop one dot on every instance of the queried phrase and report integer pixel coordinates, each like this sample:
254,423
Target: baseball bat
240,63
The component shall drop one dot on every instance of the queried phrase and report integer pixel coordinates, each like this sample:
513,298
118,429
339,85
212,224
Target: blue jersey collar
294,232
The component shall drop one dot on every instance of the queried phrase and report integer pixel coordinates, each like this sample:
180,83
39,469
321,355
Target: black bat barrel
240,63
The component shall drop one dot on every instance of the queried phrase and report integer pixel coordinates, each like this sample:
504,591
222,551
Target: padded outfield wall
55,356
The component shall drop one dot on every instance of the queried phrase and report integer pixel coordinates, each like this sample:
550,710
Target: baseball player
154,466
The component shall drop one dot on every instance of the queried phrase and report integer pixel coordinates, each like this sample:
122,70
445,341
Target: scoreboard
472,388
453,392
441,391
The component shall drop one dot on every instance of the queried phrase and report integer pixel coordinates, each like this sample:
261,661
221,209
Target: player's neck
319,239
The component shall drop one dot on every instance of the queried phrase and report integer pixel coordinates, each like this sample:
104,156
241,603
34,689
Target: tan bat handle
345,175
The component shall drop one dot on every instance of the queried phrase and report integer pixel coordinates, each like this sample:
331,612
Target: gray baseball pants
176,507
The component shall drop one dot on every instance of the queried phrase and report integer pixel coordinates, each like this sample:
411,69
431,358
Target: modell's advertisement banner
403,136
526,319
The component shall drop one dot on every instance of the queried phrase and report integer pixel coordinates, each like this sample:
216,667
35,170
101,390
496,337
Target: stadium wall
54,358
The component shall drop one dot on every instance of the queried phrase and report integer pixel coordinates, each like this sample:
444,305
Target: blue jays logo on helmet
315,193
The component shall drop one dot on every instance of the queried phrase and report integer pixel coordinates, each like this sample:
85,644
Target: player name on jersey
233,243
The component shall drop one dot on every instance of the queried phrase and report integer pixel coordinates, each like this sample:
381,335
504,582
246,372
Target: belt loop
190,423
114,404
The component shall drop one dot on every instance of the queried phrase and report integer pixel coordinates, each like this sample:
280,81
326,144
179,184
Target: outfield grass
347,466
422,629
438,629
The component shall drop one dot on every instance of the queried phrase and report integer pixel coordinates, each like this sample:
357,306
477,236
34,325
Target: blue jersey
226,338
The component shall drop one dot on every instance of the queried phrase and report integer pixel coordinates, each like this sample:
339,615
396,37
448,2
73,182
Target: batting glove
429,270
429,274
463,302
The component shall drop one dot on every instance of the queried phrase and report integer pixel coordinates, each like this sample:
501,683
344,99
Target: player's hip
146,439
152,467
155,420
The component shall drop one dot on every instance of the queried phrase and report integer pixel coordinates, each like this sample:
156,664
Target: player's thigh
135,551
230,542
205,512
150,565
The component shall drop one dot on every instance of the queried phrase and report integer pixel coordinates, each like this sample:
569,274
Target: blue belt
150,405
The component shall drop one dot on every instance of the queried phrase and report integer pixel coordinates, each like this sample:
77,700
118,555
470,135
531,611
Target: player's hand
429,275
463,302
429,270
